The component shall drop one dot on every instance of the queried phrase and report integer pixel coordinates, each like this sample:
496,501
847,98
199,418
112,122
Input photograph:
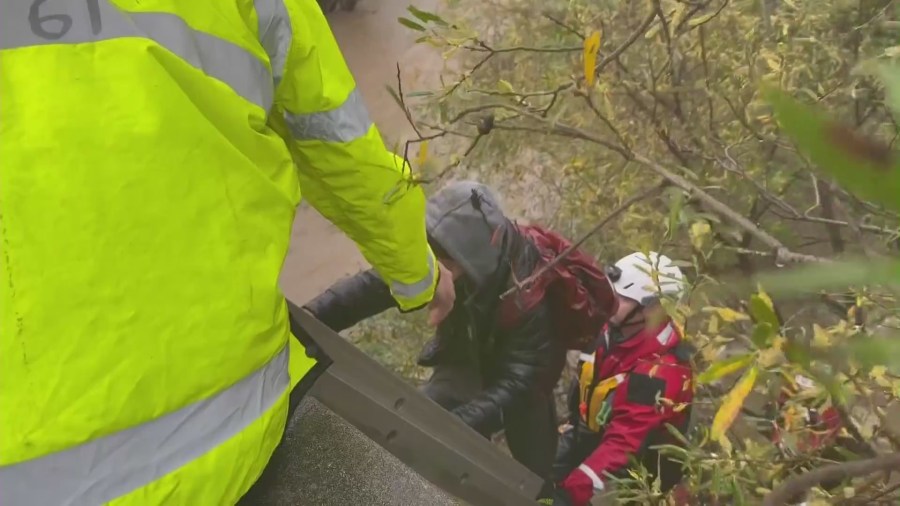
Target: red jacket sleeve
636,411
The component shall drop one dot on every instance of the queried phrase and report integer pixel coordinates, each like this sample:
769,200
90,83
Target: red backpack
581,298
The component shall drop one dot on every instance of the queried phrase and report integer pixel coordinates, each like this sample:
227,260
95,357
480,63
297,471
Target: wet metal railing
421,434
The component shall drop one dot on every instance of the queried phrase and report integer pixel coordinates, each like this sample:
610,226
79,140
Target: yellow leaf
772,60
765,297
732,403
712,326
878,376
725,443
699,231
770,357
727,314
724,368
423,154
680,328
591,47
821,337
700,20
504,86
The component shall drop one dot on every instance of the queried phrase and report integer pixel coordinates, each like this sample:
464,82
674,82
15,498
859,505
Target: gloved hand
558,497
580,487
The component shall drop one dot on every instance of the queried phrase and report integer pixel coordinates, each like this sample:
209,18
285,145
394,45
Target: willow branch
782,254
803,482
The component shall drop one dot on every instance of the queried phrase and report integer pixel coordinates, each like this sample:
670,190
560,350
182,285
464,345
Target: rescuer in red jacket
638,380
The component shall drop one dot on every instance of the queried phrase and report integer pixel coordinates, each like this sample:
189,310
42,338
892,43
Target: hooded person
637,381
495,363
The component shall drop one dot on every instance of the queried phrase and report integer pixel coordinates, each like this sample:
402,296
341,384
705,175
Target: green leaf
676,203
442,111
427,16
865,166
411,24
505,86
870,351
725,367
738,497
797,354
762,312
813,277
762,335
890,76
834,388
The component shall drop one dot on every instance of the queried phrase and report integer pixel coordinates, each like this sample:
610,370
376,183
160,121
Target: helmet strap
615,332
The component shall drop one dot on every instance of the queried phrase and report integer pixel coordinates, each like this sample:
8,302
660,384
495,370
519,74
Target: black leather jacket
513,361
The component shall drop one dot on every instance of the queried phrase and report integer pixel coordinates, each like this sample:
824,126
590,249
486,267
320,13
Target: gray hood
463,218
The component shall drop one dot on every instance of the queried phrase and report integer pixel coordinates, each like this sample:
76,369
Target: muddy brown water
373,43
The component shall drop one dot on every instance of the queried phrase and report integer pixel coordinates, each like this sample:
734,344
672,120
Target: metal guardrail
421,434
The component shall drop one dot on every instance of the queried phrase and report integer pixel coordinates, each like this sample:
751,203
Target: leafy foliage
772,127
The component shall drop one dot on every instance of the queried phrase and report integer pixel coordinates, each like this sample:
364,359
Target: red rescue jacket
656,389
642,384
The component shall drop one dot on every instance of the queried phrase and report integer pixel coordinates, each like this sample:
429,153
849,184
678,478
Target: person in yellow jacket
152,154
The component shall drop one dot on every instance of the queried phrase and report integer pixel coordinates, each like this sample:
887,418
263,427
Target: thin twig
406,111
483,48
564,26
782,254
452,165
525,283
635,35
803,482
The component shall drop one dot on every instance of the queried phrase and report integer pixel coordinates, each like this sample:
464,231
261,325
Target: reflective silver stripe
275,34
598,483
665,334
101,470
347,122
38,23
413,290
588,358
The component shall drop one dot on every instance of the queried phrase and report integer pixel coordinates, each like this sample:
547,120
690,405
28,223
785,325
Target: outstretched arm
344,169
352,300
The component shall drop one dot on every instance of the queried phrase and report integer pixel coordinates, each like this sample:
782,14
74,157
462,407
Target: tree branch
801,483
782,254
525,283
635,35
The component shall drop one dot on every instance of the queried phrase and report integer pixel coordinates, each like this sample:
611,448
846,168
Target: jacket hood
463,220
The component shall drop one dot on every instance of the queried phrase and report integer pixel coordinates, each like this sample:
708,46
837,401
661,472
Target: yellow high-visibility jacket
152,154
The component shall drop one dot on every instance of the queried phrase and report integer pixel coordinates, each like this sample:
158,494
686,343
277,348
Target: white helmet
633,277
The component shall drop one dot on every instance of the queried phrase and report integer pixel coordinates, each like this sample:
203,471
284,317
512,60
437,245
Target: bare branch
525,283
637,34
801,483
782,254
482,47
